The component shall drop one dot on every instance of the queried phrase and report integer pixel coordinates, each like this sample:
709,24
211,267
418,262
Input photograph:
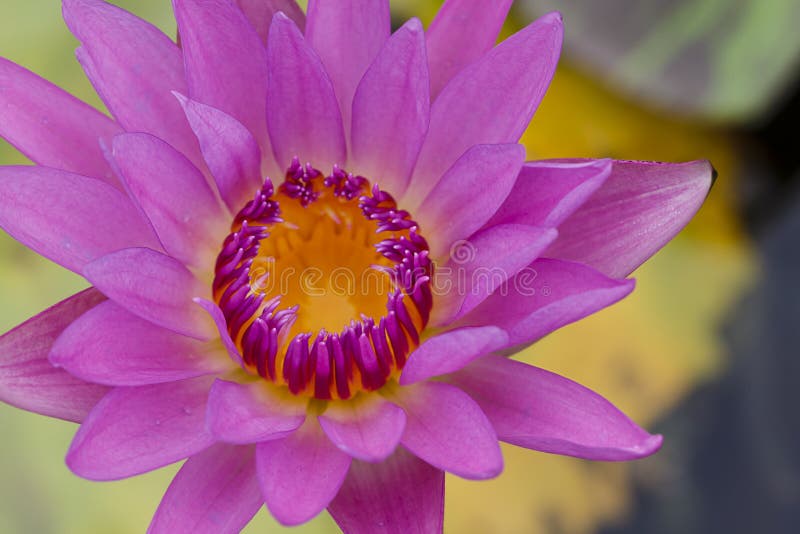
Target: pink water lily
312,245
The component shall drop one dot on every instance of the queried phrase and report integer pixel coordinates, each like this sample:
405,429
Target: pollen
324,283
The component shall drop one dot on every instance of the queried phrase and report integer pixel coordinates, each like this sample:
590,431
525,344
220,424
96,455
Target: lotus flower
312,245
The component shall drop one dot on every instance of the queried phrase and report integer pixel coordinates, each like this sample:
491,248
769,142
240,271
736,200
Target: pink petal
215,492
483,263
109,345
230,150
68,218
173,194
215,312
301,474
461,32
545,296
448,430
391,110
303,114
491,101
134,67
52,127
469,193
252,412
540,410
260,13
137,429
368,428
637,211
347,35
28,381
402,495
226,63
155,287
450,351
547,192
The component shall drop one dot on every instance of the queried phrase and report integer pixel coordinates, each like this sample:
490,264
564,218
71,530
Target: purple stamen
377,347
323,376
345,184
299,182
397,339
343,368
382,350
261,209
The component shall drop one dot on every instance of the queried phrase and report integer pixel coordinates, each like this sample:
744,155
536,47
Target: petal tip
280,17
414,25
71,461
650,446
554,17
291,520
629,283
56,358
77,464
183,100
493,468
709,175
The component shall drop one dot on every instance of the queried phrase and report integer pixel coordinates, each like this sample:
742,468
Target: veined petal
173,194
253,412
491,101
230,150
215,492
545,296
301,474
50,126
415,504
347,35
226,63
540,410
137,429
448,430
368,428
637,211
155,287
391,110
461,32
450,351
28,380
304,123
478,266
469,193
134,67
547,192
109,345
68,218
260,13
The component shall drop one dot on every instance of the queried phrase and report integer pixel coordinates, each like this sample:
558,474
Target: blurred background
705,351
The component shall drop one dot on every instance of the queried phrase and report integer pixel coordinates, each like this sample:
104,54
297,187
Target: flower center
324,284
